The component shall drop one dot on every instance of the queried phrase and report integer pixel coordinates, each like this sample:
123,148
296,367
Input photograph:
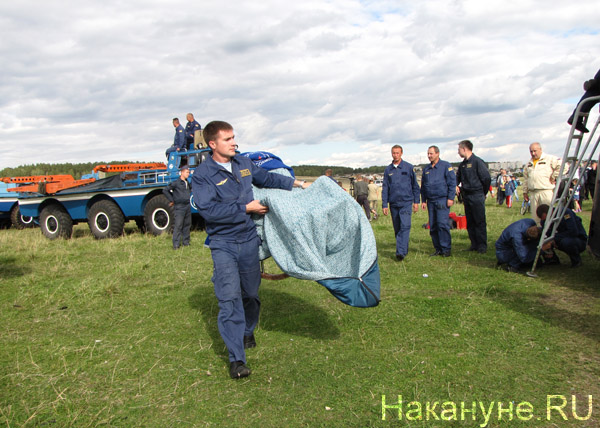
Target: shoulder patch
220,183
244,172
450,168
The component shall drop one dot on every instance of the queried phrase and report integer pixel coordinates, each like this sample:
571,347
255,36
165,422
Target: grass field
123,333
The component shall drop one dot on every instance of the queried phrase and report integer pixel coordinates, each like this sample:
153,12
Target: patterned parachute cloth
321,234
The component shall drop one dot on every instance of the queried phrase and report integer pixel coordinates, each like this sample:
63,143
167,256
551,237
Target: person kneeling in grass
517,245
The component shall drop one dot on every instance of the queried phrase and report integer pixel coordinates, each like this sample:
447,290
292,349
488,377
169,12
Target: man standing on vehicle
178,194
473,182
401,191
222,188
438,189
539,178
190,128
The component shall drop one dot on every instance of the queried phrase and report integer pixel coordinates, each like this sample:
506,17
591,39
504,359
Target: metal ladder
574,156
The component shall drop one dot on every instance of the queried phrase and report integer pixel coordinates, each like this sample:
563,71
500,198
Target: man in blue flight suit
517,245
401,191
190,128
570,235
473,182
178,194
438,189
222,188
178,140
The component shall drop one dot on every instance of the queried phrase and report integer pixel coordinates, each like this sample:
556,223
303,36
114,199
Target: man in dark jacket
592,89
222,188
473,182
570,235
178,194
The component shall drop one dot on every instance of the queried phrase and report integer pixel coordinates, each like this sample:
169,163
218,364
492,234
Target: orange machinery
50,184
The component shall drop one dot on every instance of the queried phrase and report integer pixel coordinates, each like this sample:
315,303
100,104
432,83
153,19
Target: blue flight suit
570,236
190,129
438,185
400,190
221,197
513,247
178,141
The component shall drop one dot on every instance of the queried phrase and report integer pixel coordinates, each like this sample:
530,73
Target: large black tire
106,220
56,222
18,221
158,215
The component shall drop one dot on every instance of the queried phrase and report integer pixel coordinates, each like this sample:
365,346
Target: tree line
317,170
78,169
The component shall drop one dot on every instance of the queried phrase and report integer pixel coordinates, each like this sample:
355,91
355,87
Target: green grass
123,333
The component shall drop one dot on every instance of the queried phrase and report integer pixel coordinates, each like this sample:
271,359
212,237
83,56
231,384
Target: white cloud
99,82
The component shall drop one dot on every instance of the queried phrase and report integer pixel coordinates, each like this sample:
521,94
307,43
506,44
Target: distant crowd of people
517,246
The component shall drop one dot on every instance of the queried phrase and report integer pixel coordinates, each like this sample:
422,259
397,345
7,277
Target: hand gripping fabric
321,234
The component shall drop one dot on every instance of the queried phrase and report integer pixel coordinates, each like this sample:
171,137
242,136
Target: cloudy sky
316,82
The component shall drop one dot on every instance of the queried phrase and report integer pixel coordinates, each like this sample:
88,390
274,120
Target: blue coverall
438,185
178,141
513,247
221,197
570,236
400,190
190,129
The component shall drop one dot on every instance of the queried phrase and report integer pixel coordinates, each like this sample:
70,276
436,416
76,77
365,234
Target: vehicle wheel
56,222
19,221
106,220
158,215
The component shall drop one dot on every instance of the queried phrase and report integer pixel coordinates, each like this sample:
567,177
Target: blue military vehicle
136,193
9,209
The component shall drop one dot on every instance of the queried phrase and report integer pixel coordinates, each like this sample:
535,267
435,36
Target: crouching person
517,245
570,236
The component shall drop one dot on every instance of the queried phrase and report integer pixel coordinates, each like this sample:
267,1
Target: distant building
509,166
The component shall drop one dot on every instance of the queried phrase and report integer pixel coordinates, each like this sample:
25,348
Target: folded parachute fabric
267,161
321,234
